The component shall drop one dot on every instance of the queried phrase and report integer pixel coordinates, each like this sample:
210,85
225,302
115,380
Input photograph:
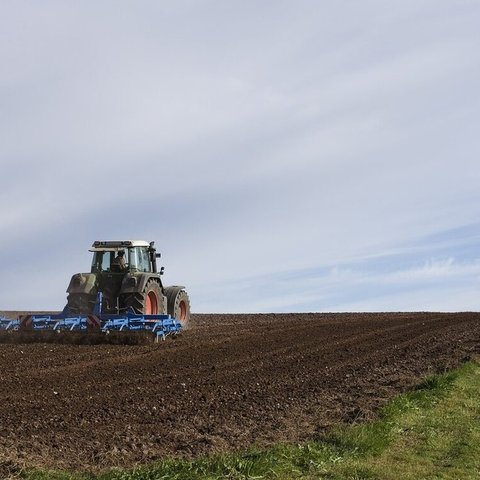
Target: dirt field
230,381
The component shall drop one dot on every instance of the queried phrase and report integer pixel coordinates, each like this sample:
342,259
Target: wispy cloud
391,281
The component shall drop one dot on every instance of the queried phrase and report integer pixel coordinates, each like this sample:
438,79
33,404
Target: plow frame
159,325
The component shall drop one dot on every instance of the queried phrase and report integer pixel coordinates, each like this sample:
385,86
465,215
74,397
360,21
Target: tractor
125,274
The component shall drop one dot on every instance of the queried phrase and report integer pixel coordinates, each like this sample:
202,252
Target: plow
122,300
129,328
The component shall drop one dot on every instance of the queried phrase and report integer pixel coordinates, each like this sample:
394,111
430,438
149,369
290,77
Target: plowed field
229,382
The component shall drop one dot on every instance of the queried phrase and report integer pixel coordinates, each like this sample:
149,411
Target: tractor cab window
101,261
144,257
132,259
139,259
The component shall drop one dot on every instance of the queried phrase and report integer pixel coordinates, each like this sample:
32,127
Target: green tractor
126,274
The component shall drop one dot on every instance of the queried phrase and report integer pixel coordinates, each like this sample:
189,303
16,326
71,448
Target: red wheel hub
151,304
183,310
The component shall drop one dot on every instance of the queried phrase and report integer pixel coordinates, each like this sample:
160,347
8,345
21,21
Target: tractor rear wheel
148,302
79,303
178,305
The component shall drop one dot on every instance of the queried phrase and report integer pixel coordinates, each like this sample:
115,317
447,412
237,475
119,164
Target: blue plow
92,325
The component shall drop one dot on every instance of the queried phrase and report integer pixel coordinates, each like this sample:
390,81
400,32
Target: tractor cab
138,256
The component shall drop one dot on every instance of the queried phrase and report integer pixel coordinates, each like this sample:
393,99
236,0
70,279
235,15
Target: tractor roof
101,246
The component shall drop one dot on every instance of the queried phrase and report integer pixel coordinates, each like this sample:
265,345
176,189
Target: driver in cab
118,262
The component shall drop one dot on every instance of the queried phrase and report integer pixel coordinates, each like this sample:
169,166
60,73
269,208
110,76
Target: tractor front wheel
178,305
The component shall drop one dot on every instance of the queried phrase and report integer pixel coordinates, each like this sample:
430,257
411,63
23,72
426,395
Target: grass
430,433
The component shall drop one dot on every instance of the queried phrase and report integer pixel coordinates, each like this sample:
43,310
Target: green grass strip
432,432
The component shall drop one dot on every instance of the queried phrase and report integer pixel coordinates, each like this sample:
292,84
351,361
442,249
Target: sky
284,155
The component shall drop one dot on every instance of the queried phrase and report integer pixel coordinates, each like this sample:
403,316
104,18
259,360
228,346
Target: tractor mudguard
83,283
173,290
136,282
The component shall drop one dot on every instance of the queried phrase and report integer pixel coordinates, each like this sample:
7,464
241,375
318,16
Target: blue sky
285,156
